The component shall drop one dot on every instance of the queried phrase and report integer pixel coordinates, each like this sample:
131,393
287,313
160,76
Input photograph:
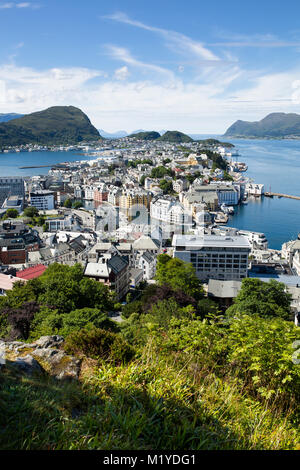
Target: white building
42,199
89,192
180,185
296,262
214,257
289,249
147,263
257,240
255,189
171,212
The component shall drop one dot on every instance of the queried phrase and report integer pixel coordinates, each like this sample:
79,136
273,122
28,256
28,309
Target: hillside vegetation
175,137
56,125
275,125
146,135
174,375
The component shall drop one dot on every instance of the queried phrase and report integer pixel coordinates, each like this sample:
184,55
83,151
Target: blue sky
195,66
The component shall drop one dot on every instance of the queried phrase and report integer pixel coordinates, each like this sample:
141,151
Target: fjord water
10,163
274,163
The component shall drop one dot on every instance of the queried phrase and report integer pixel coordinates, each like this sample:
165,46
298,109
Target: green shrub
99,344
258,351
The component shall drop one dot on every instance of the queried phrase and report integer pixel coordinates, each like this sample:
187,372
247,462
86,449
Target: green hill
147,135
175,137
275,125
55,125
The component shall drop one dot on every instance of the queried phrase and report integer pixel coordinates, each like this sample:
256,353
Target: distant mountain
113,135
145,135
275,125
9,116
175,137
56,125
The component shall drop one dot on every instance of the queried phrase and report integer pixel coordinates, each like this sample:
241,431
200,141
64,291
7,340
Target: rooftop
195,242
31,273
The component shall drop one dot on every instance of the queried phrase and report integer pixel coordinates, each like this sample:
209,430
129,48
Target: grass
149,403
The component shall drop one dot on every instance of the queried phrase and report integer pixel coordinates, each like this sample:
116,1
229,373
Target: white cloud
254,40
9,5
204,107
181,42
122,54
122,73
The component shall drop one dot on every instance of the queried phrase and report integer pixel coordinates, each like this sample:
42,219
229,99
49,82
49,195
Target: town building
42,199
11,186
7,282
16,241
214,257
112,271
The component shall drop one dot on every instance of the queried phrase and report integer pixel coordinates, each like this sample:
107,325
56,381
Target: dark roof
117,263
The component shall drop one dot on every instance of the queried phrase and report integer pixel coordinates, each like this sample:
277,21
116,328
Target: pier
56,166
271,194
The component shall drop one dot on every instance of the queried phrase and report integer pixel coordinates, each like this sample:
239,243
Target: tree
20,319
31,211
40,220
166,186
77,205
160,172
154,294
207,306
11,214
82,318
142,180
178,275
266,299
68,203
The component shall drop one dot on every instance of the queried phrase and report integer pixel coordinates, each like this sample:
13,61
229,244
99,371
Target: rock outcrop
42,356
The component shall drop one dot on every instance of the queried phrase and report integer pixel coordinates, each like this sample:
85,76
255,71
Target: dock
271,194
54,166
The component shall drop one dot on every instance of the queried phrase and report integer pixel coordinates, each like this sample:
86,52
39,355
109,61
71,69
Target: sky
194,66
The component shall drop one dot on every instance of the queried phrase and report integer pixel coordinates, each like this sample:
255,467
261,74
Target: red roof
32,273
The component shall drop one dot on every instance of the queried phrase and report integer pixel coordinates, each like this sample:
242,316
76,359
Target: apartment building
100,193
113,271
43,199
16,241
130,198
214,257
171,212
11,186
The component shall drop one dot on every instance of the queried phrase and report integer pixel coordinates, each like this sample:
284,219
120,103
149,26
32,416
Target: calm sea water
275,163
10,163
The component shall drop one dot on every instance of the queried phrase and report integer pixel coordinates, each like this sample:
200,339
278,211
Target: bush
11,214
83,318
99,344
258,351
31,211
